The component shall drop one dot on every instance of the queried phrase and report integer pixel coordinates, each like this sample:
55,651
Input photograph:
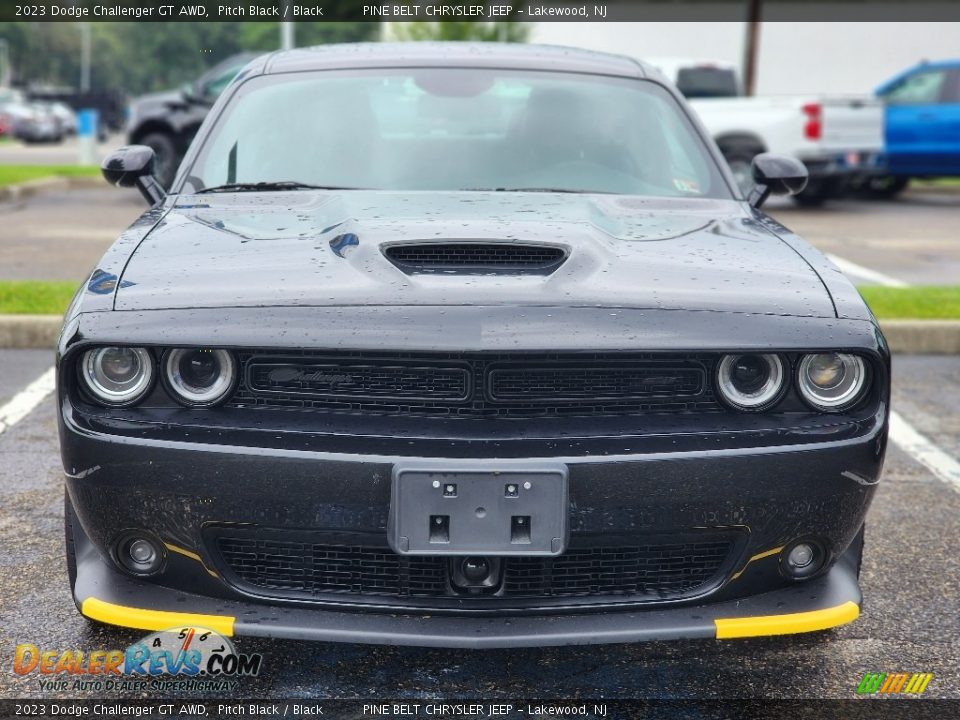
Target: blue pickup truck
922,124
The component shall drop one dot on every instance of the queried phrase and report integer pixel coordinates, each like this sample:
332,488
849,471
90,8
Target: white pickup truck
839,139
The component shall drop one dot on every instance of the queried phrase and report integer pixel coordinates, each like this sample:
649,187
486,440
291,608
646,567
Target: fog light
800,556
139,554
802,559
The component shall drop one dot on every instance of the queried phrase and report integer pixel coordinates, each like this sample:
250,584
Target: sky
795,58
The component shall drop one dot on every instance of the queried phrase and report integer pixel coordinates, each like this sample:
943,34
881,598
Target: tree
507,30
142,57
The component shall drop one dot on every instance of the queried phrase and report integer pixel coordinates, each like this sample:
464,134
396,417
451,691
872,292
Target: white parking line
26,400
859,271
923,451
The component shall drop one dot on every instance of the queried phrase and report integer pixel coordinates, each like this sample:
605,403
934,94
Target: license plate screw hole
481,512
527,485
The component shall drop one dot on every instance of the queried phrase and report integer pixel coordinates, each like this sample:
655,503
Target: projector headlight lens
751,381
117,375
199,377
832,381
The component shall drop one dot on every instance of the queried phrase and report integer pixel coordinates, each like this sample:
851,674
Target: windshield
446,129
707,82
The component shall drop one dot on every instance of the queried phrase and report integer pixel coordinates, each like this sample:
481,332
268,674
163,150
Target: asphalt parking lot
910,621
59,235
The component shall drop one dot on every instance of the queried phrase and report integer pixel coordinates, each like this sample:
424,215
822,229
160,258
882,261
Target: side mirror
776,175
132,166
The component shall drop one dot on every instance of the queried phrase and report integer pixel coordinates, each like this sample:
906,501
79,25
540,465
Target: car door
923,123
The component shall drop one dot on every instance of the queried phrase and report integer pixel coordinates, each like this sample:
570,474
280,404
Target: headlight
117,375
198,377
832,381
751,382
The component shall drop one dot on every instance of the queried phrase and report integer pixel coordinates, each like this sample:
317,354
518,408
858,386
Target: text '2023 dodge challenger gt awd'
470,346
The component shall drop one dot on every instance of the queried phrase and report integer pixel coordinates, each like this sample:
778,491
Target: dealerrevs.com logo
181,658
898,683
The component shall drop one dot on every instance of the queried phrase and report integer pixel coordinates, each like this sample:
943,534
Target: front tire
739,156
167,157
816,193
886,187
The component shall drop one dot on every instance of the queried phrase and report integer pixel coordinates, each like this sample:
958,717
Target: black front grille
359,380
465,385
309,565
475,257
661,570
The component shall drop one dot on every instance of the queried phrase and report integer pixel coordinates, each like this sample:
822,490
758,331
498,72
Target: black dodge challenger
463,345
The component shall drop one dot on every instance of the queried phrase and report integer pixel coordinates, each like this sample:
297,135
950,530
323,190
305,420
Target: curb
910,337
29,331
20,191
922,337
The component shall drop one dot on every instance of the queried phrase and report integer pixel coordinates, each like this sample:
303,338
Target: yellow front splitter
144,619
810,621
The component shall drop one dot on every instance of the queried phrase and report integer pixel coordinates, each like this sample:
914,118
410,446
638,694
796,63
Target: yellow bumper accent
786,624
756,557
144,619
190,554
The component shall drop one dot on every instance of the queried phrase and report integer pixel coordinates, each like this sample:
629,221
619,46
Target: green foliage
148,56
462,30
35,297
12,174
918,302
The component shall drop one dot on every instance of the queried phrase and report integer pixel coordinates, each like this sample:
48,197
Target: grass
12,174
920,302
947,182
35,297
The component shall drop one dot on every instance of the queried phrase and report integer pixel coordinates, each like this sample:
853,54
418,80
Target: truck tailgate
851,123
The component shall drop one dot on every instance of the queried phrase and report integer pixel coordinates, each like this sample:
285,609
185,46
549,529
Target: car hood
326,249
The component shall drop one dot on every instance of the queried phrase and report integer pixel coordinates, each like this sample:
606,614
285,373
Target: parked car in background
922,125
839,139
29,121
167,121
64,115
111,105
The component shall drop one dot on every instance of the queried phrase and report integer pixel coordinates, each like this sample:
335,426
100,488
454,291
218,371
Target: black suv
167,121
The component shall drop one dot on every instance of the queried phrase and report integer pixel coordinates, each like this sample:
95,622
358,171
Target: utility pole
4,63
287,41
751,46
84,57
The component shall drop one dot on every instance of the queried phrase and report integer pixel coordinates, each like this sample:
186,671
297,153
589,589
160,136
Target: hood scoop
475,257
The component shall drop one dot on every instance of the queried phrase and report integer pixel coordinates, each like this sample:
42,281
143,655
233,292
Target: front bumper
820,486
105,595
850,166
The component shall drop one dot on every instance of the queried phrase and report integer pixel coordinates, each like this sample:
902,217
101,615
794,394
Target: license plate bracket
478,511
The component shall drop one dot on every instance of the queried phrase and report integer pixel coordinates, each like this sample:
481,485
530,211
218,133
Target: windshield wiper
270,186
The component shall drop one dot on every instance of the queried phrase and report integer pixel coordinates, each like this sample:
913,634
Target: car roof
452,54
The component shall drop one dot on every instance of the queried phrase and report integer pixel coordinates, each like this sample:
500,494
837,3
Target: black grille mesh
667,570
464,385
475,257
298,567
